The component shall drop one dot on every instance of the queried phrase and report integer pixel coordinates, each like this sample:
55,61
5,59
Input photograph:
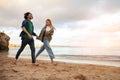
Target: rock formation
4,41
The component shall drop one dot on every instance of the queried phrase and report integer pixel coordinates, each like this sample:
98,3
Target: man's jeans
23,45
47,47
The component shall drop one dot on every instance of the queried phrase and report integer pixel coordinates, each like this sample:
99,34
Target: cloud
100,31
60,11
77,22
106,23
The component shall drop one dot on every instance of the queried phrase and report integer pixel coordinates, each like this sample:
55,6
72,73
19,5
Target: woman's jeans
47,47
23,45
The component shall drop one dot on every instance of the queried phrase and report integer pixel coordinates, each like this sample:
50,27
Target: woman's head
48,22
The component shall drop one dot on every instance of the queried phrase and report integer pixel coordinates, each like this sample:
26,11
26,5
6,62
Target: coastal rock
4,41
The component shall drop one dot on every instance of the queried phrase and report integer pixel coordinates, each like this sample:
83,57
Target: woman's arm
50,32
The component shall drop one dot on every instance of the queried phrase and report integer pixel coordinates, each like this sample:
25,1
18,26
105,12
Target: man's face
30,16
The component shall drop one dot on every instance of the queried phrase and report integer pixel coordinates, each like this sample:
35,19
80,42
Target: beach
83,37
24,70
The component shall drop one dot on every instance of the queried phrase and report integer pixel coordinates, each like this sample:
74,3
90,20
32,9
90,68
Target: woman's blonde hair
50,23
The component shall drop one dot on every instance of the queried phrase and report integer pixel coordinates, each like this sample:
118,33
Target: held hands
37,37
30,36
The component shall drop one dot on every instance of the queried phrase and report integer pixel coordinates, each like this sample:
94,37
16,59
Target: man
27,36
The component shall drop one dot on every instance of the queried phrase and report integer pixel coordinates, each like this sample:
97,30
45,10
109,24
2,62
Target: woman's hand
47,32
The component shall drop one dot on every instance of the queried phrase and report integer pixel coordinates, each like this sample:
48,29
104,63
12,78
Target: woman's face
47,23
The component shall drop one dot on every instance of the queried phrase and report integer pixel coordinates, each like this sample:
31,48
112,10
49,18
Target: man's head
28,15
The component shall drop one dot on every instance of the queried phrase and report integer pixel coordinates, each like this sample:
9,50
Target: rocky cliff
4,41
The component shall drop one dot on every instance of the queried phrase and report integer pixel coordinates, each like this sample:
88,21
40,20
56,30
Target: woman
46,36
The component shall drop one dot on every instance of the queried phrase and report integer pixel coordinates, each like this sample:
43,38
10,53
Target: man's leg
32,47
40,51
23,44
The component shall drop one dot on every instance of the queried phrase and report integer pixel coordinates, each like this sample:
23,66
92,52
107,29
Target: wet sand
24,70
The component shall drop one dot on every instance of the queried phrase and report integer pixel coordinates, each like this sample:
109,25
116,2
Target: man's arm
34,34
24,29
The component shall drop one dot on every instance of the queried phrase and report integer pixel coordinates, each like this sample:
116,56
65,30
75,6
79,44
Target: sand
24,70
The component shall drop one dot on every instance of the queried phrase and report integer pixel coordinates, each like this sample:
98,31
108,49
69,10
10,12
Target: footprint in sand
15,70
53,78
80,77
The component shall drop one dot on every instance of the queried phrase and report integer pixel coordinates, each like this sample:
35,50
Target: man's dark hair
26,14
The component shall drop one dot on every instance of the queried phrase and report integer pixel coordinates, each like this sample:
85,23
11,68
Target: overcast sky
60,11
85,22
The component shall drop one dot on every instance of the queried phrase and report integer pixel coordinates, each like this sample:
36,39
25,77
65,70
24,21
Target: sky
93,23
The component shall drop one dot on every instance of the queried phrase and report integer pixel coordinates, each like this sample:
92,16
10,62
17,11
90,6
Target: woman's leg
48,48
40,51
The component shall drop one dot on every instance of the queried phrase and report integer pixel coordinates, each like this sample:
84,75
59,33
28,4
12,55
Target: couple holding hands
27,38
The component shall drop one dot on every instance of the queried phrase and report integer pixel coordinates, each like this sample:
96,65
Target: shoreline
101,62
62,71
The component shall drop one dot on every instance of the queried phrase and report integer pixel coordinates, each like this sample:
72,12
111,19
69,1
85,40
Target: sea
78,55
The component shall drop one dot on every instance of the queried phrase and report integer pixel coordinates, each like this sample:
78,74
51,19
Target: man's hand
30,36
